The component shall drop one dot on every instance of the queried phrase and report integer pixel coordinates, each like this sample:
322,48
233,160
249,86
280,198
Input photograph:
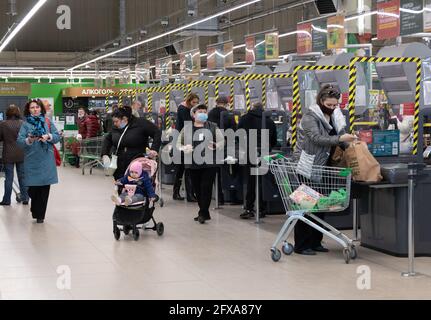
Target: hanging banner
142,72
260,47
427,16
250,42
125,76
272,50
190,62
319,36
411,17
220,55
388,22
304,38
164,68
336,34
211,58
228,54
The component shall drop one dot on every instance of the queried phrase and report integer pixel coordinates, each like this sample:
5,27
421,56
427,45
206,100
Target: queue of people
29,146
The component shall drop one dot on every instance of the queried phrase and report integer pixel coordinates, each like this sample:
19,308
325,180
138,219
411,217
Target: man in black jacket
183,115
219,115
254,120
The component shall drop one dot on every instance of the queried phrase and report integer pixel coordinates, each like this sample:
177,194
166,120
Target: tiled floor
225,259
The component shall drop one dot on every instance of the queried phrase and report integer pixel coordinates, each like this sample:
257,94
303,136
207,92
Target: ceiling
96,25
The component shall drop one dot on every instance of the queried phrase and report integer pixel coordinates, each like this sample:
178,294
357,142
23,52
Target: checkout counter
383,207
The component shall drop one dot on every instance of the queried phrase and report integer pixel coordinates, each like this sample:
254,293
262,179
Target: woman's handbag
56,152
114,158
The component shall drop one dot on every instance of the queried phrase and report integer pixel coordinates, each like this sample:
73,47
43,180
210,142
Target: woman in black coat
135,141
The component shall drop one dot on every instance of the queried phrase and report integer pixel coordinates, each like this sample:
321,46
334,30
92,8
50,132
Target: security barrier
352,89
296,108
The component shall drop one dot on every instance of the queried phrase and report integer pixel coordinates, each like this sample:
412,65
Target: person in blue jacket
37,138
141,182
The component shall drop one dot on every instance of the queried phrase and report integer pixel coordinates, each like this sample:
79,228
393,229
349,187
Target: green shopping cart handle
273,157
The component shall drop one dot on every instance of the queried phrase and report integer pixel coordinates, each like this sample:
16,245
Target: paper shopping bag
364,166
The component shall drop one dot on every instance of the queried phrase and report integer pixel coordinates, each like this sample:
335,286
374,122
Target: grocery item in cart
334,202
305,197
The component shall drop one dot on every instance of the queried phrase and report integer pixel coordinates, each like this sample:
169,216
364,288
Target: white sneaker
116,199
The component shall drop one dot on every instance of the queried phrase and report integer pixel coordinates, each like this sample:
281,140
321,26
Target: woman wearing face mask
37,139
199,143
322,128
130,136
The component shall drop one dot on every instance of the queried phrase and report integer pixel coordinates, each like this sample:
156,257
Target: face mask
202,117
122,125
327,110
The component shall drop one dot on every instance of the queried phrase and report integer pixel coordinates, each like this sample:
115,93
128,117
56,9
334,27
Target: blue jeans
8,183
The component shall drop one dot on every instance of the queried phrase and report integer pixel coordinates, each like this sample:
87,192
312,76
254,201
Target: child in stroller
135,201
136,184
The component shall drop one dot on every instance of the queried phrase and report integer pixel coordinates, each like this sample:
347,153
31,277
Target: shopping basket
305,192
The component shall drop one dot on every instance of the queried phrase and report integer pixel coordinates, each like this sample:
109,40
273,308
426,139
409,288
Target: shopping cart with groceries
306,190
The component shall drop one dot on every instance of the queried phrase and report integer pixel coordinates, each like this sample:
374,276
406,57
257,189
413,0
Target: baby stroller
135,217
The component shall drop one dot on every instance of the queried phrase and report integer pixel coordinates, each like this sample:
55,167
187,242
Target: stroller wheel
136,234
160,228
162,203
126,230
117,233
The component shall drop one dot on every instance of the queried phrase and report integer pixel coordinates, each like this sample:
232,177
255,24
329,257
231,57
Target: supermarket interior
215,149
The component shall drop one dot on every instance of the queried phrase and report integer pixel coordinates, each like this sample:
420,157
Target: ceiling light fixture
187,26
23,22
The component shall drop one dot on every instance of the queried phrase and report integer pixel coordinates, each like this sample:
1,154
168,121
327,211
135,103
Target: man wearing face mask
322,128
202,174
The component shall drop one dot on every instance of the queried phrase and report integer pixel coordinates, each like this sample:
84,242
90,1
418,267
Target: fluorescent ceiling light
23,22
16,68
239,46
187,26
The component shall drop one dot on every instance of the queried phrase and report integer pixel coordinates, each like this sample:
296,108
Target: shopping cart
329,191
90,153
70,148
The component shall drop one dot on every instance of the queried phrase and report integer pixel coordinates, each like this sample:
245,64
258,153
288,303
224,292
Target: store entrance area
226,258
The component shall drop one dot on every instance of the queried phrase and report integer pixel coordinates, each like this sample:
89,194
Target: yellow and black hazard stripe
417,107
232,95
120,99
247,92
296,101
107,104
150,102
352,89
264,92
168,122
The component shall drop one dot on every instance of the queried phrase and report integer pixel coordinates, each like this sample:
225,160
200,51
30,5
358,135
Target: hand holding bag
365,166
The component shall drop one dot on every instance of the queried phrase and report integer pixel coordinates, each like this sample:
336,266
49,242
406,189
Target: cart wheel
18,199
353,253
117,233
160,228
136,234
126,230
347,255
275,254
161,202
287,249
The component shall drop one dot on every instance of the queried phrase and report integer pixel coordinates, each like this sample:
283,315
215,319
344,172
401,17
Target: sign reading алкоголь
411,17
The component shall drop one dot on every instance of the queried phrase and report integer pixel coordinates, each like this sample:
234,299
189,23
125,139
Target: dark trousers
39,200
220,186
202,181
8,183
250,198
307,237
178,180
